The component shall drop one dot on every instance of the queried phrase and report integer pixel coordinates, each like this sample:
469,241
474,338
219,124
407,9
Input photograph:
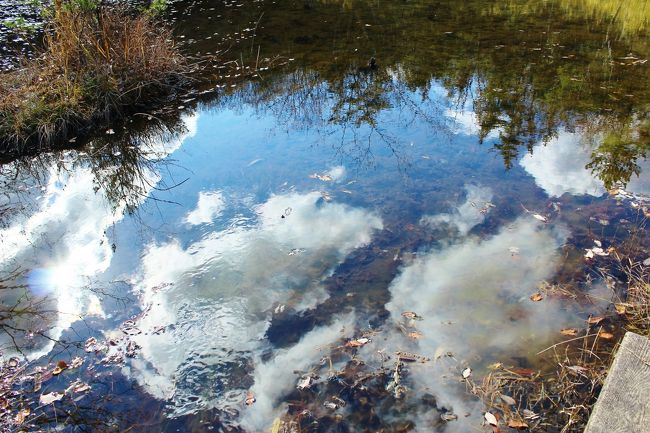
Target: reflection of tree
521,66
616,158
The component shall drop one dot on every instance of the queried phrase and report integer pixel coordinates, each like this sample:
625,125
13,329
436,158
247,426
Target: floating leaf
467,373
517,424
536,297
50,398
250,398
570,332
507,399
491,419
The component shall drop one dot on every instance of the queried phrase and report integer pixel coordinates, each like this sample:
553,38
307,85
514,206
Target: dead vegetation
98,62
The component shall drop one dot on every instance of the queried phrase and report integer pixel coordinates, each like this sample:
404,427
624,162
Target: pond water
397,178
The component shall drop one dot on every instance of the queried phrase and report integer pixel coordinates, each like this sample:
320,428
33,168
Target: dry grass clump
97,62
559,400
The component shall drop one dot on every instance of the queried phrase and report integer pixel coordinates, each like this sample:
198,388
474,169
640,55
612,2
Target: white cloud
210,205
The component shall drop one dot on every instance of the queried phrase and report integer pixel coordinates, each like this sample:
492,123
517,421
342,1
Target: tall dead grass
96,65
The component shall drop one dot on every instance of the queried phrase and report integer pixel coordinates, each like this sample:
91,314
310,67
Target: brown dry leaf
357,343
508,400
491,419
517,424
570,332
414,335
536,297
60,366
448,417
605,335
250,398
620,308
595,320
20,416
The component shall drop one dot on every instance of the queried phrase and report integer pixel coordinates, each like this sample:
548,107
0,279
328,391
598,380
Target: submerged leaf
517,424
595,320
571,332
536,297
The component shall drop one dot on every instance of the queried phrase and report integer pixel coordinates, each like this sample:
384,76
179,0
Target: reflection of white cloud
473,297
209,206
559,166
223,289
277,377
64,240
337,173
466,122
468,214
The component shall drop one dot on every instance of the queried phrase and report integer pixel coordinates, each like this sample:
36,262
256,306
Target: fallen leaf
620,308
414,335
60,366
76,362
50,398
20,416
524,372
536,297
410,315
517,424
529,414
571,332
250,398
605,335
448,417
595,320
467,373
540,217
507,399
358,342
577,369
491,419
304,383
